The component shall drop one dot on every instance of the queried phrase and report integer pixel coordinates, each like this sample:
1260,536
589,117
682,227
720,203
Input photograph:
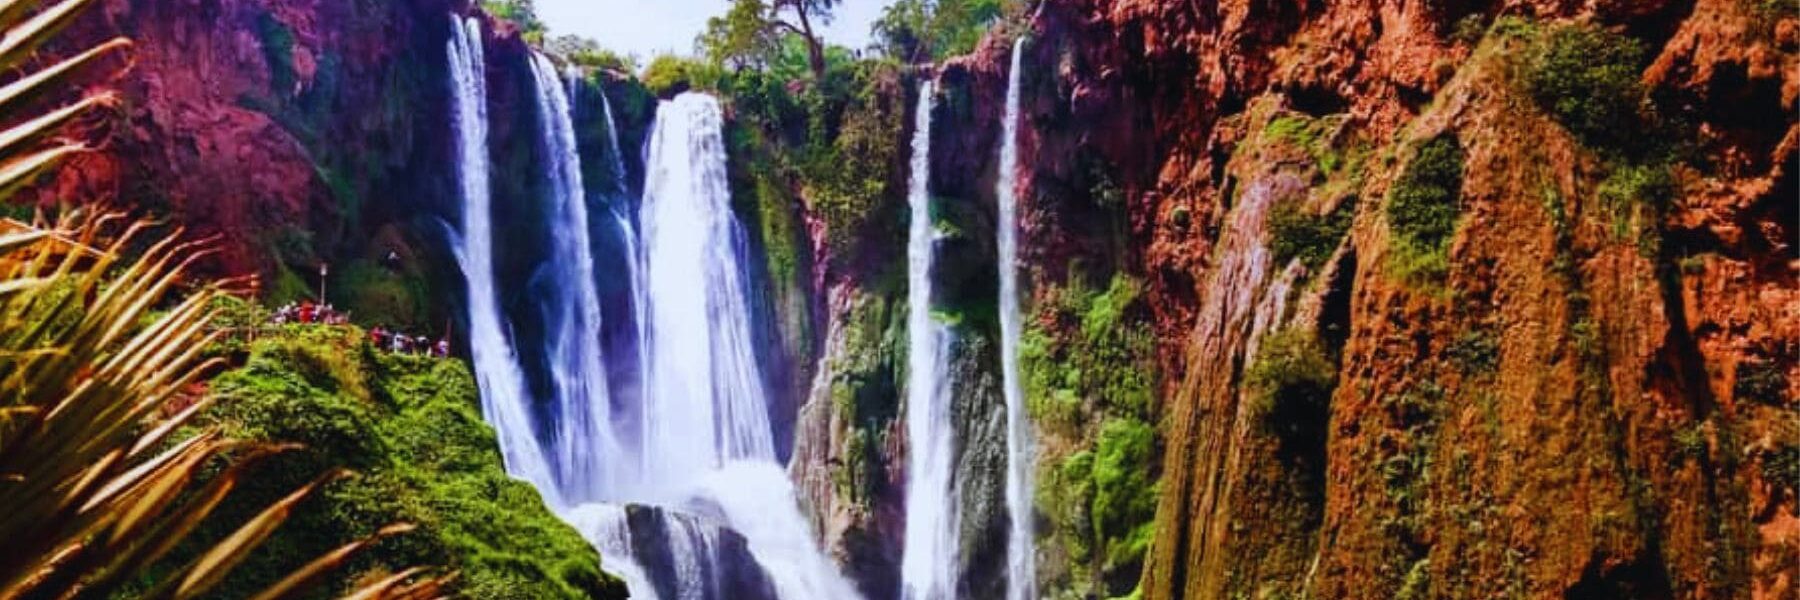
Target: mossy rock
410,427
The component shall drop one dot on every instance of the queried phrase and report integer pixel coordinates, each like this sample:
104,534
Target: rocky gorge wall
1560,396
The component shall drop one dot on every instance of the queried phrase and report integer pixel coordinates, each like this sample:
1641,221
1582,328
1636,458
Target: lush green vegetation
865,389
411,429
1124,490
1100,357
583,52
1088,381
849,178
914,31
1635,189
1587,78
521,13
1424,207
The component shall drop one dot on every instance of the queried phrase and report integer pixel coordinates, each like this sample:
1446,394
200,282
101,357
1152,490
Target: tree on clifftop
748,34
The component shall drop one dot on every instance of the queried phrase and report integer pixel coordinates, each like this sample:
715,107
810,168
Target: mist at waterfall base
676,483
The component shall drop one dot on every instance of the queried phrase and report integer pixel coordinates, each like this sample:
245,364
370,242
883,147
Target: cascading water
702,446
709,406
709,444
583,440
928,561
1021,558
502,382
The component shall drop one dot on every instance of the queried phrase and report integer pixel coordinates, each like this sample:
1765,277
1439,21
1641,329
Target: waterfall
709,441
691,503
1021,558
583,440
709,406
615,154
497,371
928,562
634,273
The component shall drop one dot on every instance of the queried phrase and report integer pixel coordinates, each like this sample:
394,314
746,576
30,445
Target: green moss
1587,78
1107,360
1423,212
1476,351
375,295
1295,233
1087,359
1124,491
1634,193
1310,135
1690,442
1417,585
411,428
1291,380
865,390
1781,467
1762,382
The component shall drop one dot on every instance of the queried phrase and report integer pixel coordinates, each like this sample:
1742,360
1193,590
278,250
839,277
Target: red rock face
1608,454
235,114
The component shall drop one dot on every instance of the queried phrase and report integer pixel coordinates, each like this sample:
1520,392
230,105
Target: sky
647,28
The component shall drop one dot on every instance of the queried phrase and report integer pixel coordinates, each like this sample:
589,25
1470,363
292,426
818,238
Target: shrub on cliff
1588,79
1100,364
848,171
1422,209
411,428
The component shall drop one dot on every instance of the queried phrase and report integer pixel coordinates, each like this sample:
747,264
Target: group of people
400,343
306,312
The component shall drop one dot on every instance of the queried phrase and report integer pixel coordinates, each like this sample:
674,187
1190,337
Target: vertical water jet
928,561
1021,557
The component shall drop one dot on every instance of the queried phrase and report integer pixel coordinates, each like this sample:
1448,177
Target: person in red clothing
377,336
307,312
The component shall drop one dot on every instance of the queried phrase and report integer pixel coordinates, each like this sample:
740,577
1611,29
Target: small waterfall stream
928,562
1021,558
